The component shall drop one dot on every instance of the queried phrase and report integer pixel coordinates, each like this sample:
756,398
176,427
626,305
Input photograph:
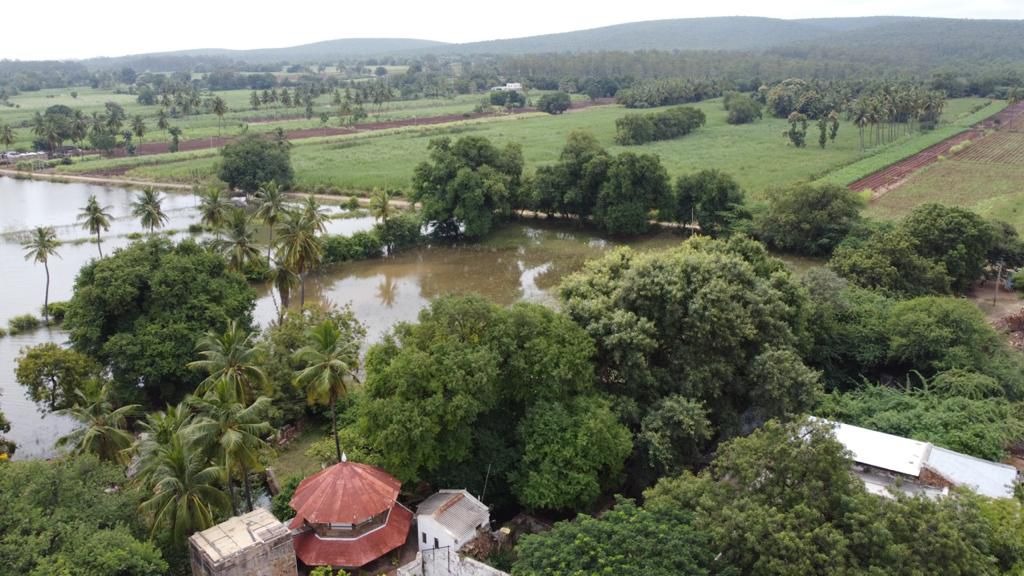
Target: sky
77,29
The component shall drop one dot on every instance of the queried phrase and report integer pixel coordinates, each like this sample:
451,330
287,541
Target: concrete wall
427,524
442,562
273,558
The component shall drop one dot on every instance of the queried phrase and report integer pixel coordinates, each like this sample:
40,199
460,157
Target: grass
991,190
756,154
292,460
240,118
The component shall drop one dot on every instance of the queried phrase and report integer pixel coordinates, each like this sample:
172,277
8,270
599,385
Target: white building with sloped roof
883,460
450,519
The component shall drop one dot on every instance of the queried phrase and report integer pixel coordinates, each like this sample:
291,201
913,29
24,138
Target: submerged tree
39,247
148,208
95,218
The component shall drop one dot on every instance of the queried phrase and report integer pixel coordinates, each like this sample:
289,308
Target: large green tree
807,219
716,321
142,310
443,397
72,516
467,184
635,190
252,161
53,376
954,236
571,187
711,198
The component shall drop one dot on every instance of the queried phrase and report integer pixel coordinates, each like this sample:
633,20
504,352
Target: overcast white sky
83,29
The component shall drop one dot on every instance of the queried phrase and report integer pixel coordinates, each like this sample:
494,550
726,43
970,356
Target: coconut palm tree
284,280
95,218
239,246
39,247
233,432
157,430
315,215
330,361
271,209
213,209
139,127
220,108
103,430
229,359
6,135
148,208
300,248
161,119
186,495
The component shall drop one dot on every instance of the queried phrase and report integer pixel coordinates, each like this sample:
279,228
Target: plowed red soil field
1009,119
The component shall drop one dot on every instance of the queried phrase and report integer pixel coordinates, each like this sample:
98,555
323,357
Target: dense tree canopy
554,103
635,190
711,198
473,383
141,311
810,220
953,236
72,516
253,161
571,186
467,184
715,321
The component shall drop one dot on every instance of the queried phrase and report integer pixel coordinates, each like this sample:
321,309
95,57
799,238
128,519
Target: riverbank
100,181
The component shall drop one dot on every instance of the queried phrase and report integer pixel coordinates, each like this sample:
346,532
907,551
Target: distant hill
902,39
325,51
724,33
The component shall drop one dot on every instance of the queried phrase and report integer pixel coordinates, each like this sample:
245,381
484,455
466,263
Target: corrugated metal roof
346,493
456,510
986,478
881,450
313,550
236,534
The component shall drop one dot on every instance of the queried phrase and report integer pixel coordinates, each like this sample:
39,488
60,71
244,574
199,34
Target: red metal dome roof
346,493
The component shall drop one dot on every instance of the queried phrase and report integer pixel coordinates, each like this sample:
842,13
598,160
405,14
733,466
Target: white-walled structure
449,519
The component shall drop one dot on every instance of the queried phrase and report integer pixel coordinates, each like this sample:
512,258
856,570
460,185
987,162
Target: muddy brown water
521,262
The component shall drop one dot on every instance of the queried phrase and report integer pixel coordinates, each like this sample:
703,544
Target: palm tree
271,208
39,247
315,215
186,496
330,361
79,128
213,209
301,248
220,107
157,430
381,208
284,279
234,431
103,426
229,359
239,247
95,218
161,119
6,135
147,208
139,127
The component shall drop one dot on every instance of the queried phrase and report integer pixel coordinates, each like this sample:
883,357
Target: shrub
401,231
359,246
554,103
1017,281
56,311
742,110
2,332
672,123
22,323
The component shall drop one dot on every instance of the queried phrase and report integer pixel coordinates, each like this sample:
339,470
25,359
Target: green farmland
756,154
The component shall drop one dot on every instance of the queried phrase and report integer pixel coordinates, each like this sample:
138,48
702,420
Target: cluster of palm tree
888,112
188,458
294,246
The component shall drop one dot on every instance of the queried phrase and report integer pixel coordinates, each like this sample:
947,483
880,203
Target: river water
521,262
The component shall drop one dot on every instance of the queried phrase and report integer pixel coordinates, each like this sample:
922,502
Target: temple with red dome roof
348,515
